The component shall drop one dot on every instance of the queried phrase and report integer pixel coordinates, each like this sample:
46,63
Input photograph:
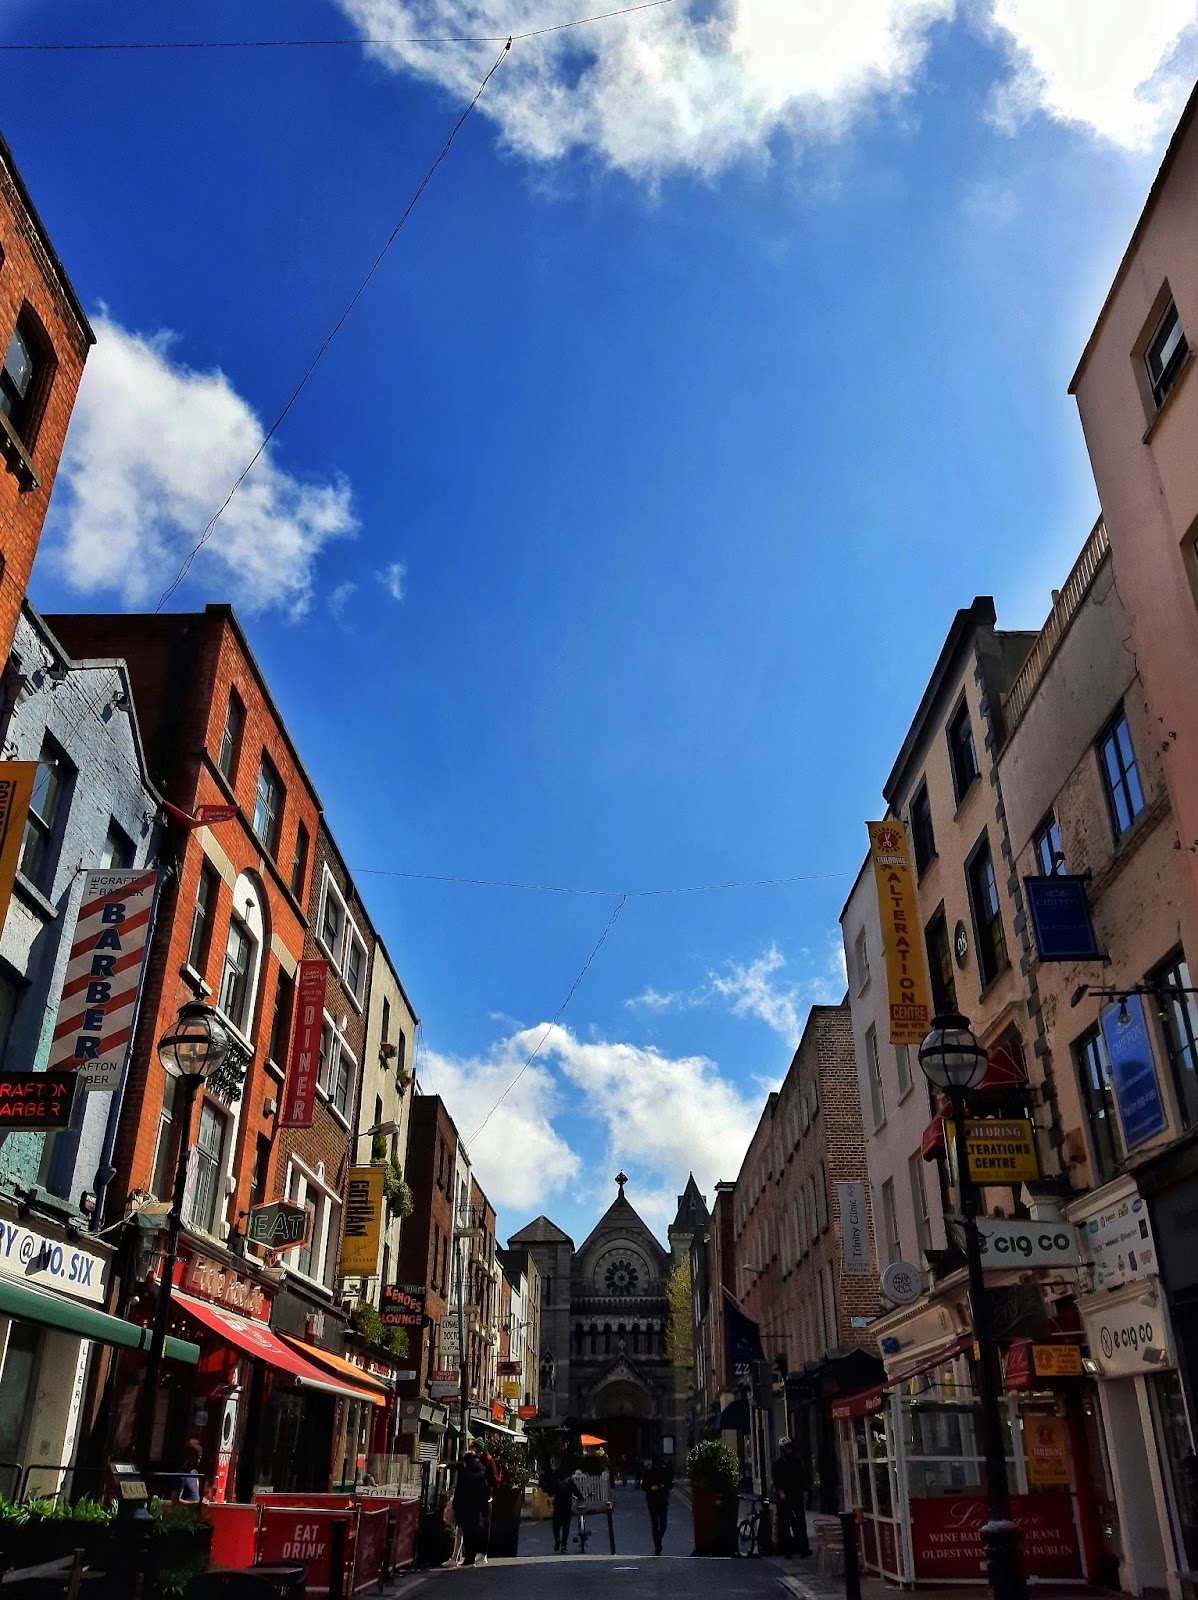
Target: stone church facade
604,1314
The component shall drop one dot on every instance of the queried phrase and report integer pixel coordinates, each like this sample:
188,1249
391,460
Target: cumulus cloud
702,84
1121,71
392,578
153,448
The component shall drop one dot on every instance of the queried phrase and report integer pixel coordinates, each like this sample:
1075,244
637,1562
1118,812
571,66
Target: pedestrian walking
565,1492
790,1489
472,1509
657,1482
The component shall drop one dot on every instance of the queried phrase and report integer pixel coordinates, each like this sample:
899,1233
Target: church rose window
621,1278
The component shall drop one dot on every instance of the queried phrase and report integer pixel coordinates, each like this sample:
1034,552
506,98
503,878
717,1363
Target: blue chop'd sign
1060,915
1133,1072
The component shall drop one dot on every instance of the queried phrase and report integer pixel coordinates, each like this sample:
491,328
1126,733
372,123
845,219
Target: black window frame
993,955
281,1019
1178,1017
960,721
272,815
118,846
923,850
1050,860
299,861
1161,384
1110,737
199,941
25,408
944,983
231,736
42,833
1104,1135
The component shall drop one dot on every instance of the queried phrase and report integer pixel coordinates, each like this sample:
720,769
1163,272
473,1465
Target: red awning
866,1401
254,1339
861,1404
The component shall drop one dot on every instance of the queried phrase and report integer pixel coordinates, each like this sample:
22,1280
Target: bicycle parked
754,1534
583,1533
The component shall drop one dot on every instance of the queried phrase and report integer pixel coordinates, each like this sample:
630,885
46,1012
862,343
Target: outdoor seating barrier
370,1548
407,1530
282,1532
235,1534
306,1533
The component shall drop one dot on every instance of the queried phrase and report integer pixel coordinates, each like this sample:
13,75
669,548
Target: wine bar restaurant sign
946,1536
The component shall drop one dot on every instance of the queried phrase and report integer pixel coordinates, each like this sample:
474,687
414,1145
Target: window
261,1167
822,1196
830,1330
1166,352
230,739
1098,1096
299,865
234,993
1120,779
801,1214
201,918
1050,858
49,785
355,964
1180,1021
862,951
280,1021
877,1095
23,377
923,840
337,1071
940,965
890,1222
812,1207
208,1155
332,922
268,806
318,1258
987,917
387,1026
117,849
902,1068
162,1174
919,1200
961,752
8,1008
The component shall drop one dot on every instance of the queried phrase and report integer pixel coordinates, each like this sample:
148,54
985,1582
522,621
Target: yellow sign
361,1223
16,791
1057,1360
902,945
511,1389
1046,1450
999,1152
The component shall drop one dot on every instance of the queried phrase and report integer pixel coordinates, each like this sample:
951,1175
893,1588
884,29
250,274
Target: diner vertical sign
299,1097
906,973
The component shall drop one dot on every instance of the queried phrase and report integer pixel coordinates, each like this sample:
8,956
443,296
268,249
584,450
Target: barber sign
99,992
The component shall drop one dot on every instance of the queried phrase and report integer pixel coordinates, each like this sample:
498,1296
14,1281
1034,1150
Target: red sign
204,815
946,1537
508,1369
526,1412
403,1305
498,1411
208,1280
300,1094
444,1375
35,1100
305,1535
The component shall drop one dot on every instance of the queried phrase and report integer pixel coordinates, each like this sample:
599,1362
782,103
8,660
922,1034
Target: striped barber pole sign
99,994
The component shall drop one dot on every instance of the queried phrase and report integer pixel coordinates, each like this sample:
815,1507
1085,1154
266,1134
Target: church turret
691,1218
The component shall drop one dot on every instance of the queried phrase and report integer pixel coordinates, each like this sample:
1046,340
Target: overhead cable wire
609,894
185,567
611,922
292,44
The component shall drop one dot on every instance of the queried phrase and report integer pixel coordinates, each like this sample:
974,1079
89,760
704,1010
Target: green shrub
511,1455
368,1322
713,1466
594,1462
397,1341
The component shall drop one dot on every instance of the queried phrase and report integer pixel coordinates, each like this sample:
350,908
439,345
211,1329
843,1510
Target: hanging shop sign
103,976
854,1228
1059,909
902,942
1057,1360
1119,1243
1133,1071
510,1389
901,1283
279,1226
526,1413
403,1305
361,1223
205,815
1128,1338
1046,1452
36,1102
450,1340
1027,1244
16,791
508,1369
498,1411
999,1152
299,1096
44,1263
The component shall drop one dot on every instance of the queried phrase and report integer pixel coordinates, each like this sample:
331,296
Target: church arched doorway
622,1412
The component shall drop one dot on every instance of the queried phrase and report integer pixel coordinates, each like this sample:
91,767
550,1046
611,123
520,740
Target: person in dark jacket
657,1481
790,1488
472,1509
565,1492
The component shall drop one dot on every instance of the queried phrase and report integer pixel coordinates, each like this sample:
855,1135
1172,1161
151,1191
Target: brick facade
36,295
426,1244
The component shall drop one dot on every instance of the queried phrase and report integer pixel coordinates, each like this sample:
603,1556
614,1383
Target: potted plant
180,1546
594,1463
49,1527
715,1481
511,1459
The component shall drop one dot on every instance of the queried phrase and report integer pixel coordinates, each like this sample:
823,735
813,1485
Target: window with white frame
1166,353
902,1068
332,921
919,1200
890,1222
317,1259
877,1095
208,1159
337,1071
354,971
238,990
862,953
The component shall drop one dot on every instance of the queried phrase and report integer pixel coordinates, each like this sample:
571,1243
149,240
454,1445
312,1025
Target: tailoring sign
1027,1244
902,945
361,1223
1057,1360
103,976
999,1152
1133,1071
299,1098
1046,1452
16,790
853,1228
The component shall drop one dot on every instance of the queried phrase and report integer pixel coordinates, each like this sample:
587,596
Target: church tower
692,1218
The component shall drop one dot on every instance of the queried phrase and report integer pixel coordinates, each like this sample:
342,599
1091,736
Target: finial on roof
621,1179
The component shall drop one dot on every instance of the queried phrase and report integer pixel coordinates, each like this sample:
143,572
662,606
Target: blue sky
611,543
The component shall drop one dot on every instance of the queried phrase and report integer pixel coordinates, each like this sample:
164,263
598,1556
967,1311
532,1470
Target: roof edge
67,287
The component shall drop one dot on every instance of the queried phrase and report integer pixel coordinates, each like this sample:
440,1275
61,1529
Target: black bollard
852,1565
611,1529
765,1530
337,1560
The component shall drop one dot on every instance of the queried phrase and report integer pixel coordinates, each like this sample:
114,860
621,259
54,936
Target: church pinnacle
621,1179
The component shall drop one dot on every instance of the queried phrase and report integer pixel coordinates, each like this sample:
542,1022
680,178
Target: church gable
540,1231
620,1256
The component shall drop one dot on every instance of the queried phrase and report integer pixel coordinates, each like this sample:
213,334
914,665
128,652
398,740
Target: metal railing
1066,603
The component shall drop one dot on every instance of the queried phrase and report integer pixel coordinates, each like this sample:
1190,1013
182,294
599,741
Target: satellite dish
902,1284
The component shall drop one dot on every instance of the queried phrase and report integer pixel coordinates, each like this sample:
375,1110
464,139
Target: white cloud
1122,71
699,85
152,450
392,578
651,999
340,597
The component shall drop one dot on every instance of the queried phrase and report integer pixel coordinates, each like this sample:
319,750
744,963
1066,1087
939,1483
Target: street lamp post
195,1047
953,1060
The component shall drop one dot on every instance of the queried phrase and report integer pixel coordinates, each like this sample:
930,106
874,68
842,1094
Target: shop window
209,1150
940,965
1180,1021
39,843
1098,1095
987,915
18,1390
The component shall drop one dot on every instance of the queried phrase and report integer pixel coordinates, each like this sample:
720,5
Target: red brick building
44,340
426,1256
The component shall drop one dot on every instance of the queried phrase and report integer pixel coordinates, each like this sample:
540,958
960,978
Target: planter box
714,1512
505,1522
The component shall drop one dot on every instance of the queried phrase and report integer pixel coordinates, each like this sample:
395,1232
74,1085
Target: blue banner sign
1133,1072
1060,914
